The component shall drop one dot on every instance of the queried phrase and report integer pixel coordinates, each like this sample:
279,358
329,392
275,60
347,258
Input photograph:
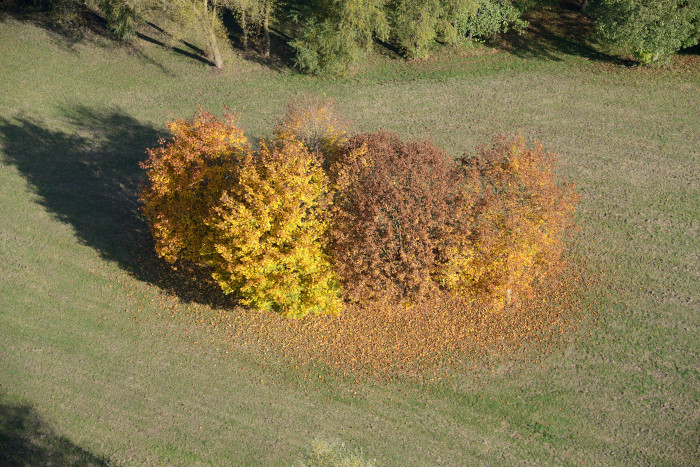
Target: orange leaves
518,222
185,176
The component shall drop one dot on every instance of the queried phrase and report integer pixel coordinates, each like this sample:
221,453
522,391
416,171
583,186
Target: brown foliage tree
395,205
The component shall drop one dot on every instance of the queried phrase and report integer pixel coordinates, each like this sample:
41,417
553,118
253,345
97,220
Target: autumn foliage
257,220
268,232
186,176
317,218
515,222
395,210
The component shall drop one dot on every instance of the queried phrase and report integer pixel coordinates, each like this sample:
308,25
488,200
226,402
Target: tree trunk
213,43
244,26
214,47
584,6
266,29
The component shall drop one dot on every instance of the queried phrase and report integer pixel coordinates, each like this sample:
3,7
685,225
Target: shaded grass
26,440
559,31
121,363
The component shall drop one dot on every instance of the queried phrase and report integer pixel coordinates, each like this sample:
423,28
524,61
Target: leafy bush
394,207
415,25
337,33
325,49
517,218
268,232
186,176
651,30
258,220
122,17
492,17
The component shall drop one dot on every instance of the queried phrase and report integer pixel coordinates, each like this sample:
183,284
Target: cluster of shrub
330,36
317,217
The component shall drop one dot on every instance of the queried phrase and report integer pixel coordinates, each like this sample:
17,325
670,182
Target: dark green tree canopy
651,30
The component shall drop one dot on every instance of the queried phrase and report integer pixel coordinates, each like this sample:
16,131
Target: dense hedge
316,216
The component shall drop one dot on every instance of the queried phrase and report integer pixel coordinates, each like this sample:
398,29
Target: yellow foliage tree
268,230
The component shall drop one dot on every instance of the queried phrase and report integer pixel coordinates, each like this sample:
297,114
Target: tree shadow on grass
92,29
194,56
559,30
281,53
83,24
89,178
193,52
26,440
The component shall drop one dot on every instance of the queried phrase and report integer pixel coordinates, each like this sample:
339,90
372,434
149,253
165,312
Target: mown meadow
109,357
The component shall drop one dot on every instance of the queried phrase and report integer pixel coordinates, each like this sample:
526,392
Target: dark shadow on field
281,53
556,30
190,50
83,24
87,26
197,57
26,440
690,51
76,22
89,177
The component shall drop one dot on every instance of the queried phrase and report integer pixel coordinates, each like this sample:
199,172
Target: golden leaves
257,220
517,222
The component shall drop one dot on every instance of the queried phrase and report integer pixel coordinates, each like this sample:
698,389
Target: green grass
103,355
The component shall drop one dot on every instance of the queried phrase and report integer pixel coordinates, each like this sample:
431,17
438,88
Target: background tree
651,30
122,17
198,21
493,17
417,24
335,34
203,17
457,13
414,25
254,15
248,12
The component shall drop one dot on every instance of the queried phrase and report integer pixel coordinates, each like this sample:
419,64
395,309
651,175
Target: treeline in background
332,36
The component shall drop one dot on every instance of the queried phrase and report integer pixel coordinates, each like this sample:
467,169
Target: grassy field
106,358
